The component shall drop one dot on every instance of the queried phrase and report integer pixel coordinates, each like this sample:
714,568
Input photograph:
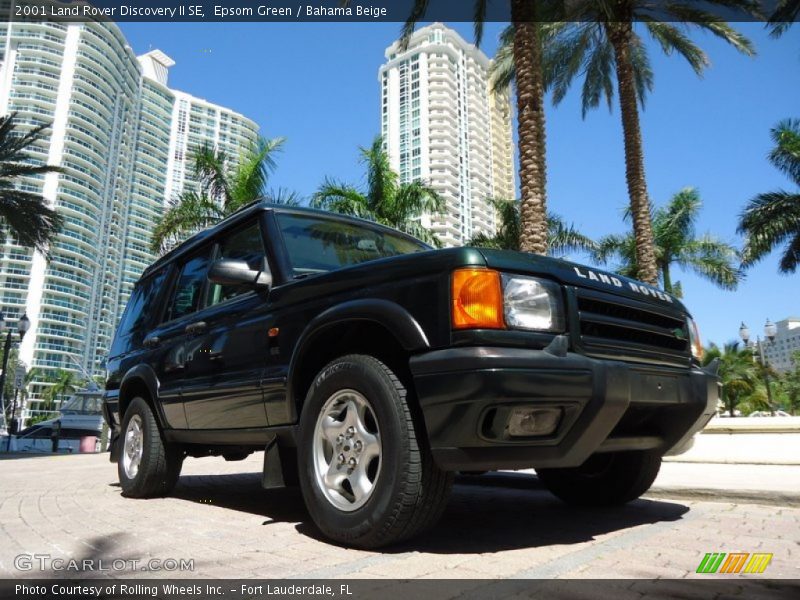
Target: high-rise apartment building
124,141
441,123
780,351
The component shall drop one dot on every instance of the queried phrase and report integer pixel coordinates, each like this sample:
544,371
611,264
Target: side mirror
237,272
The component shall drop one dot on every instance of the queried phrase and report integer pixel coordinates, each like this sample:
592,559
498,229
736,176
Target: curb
789,462
767,498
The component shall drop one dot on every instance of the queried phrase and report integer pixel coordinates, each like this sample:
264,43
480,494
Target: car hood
574,274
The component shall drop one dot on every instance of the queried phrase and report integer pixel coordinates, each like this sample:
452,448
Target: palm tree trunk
666,277
620,35
530,127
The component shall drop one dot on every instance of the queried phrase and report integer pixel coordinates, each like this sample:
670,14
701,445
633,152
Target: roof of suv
243,213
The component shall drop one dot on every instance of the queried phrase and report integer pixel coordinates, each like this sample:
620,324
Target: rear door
228,349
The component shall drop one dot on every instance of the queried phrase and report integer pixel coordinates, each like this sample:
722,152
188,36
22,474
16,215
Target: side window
140,308
244,244
189,289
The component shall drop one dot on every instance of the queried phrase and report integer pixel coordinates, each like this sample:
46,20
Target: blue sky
317,85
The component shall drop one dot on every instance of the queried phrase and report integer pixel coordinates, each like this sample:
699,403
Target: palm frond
249,179
619,247
481,240
381,179
785,156
478,19
284,196
673,225
786,12
24,215
13,145
190,214
689,13
418,11
713,260
642,71
565,238
502,71
210,169
341,198
564,57
767,221
673,39
413,200
599,77
28,219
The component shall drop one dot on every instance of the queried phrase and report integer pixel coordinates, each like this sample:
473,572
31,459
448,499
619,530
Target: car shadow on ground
486,513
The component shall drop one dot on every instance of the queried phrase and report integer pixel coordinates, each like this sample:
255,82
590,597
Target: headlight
695,341
531,303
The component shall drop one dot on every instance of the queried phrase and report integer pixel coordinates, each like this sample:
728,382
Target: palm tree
64,383
562,237
31,375
772,219
601,44
386,201
223,188
24,215
737,372
525,39
676,244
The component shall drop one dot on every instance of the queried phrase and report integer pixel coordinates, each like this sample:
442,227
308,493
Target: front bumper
466,395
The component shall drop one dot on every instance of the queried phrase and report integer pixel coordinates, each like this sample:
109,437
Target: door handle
151,342
195,328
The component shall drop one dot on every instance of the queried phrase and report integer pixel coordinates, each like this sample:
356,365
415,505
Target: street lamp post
770,331
23,325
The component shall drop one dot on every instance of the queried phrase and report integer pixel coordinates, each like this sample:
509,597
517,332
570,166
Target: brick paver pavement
495,526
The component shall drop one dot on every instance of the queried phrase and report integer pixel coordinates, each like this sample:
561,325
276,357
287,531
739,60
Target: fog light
525,422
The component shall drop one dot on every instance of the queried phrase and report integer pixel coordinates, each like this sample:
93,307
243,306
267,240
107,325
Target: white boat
79,425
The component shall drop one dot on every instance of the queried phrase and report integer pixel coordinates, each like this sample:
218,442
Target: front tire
367,476
148,467
604,479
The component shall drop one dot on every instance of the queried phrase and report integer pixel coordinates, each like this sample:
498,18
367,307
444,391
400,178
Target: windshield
318,245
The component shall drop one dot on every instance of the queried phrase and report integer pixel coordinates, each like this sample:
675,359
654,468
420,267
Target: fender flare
143,373
393,317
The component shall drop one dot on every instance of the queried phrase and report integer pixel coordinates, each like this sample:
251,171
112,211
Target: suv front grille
613,326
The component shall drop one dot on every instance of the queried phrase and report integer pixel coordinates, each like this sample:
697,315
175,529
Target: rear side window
247,245
189,288
139,311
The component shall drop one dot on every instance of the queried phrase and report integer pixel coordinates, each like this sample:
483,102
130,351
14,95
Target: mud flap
114,446
272,476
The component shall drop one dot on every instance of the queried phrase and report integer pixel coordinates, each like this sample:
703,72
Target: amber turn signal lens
477,299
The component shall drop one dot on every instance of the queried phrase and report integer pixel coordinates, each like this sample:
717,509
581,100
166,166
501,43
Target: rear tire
604,479
387,488
148,467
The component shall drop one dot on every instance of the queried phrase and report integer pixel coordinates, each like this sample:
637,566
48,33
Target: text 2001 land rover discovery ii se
371,367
